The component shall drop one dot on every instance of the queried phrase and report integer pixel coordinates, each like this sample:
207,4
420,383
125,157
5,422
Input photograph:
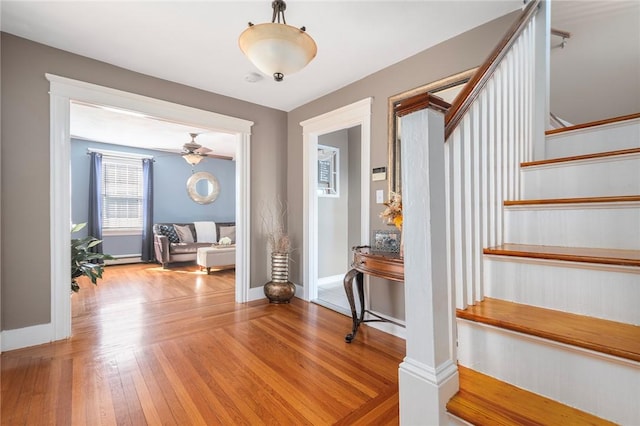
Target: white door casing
62,92
357,113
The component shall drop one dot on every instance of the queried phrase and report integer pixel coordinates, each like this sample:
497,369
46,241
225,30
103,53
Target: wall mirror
203,187
446,88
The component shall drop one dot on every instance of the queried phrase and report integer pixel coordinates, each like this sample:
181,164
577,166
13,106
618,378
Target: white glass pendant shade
277,48
192,158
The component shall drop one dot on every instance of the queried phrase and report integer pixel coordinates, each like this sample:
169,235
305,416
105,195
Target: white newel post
428,376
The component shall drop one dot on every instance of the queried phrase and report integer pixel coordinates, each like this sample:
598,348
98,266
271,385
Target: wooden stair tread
609,337
569,254
582,157
484,400
594,123
578,200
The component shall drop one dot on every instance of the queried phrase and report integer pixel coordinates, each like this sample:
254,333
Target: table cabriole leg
348,288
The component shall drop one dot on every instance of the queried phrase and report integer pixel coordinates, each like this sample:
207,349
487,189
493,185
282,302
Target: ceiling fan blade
203,150
222,157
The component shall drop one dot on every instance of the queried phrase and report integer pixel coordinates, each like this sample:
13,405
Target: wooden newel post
428,376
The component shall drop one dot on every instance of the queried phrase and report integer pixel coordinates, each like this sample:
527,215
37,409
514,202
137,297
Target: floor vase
279,289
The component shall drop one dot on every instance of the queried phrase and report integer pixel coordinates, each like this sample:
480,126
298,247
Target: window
328,171
121,194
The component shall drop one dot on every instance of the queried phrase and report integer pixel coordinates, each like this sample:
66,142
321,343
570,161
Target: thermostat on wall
379,173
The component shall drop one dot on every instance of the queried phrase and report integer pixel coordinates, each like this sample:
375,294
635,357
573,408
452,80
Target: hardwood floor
151,346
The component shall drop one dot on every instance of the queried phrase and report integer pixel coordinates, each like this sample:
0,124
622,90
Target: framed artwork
387,241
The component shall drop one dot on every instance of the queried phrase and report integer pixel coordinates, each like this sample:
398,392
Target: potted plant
83,260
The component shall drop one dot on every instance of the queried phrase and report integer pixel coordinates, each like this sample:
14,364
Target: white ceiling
119,127
195,43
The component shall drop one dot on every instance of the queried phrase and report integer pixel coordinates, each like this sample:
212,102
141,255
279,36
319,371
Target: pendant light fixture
276,48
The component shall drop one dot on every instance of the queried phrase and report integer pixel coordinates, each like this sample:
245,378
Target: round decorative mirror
203,187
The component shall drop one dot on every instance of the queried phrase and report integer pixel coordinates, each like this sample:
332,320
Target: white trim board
388,327
62,92
27,336
330,280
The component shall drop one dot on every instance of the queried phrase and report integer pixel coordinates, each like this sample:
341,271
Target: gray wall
339,219
333,213
171,202
457,54
355,191
597,74
1,235
25,227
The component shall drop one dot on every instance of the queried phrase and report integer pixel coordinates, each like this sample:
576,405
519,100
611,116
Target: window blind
121,193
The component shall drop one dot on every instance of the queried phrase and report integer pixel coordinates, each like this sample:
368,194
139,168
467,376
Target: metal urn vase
279,289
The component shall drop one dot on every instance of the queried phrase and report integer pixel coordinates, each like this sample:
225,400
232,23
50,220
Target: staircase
556,339
522,279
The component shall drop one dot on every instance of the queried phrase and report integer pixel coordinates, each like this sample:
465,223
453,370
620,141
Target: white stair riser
596,225
602,291
612,137
456,421
599,384
607,176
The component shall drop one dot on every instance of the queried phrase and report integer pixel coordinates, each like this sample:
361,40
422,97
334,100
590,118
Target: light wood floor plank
153,346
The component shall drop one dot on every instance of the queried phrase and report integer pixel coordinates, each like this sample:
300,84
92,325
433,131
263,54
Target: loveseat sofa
169,247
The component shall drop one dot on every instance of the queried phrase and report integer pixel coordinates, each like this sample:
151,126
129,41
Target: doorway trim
357,113
64,90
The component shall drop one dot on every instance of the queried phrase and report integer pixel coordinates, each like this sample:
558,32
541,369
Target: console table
365,261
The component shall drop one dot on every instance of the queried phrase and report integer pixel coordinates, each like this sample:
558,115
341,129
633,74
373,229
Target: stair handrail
472,89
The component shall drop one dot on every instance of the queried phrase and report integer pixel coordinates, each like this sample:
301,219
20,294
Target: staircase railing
453,208
488,132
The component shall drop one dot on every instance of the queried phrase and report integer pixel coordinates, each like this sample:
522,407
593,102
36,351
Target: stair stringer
597,383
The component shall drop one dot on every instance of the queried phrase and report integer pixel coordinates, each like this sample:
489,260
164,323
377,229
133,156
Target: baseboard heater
123,259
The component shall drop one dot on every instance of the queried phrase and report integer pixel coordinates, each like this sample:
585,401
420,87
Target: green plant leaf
77,227
83,261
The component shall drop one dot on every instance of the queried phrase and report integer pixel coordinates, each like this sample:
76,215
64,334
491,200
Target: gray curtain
147,210
94,225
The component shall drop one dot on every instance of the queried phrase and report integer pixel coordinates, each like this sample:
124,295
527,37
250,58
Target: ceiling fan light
192,158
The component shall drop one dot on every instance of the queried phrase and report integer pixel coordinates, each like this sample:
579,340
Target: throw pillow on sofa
184,233
170,233
205,231
229,232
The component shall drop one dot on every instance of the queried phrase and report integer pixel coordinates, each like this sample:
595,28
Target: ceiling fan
193,152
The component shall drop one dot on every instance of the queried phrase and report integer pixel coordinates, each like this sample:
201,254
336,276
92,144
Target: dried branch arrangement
273,219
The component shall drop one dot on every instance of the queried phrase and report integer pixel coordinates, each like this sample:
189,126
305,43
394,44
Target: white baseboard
256,293
123,259
388,327
27,336
330,280
299,291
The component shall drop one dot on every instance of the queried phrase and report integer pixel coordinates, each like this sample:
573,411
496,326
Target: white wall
597,74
